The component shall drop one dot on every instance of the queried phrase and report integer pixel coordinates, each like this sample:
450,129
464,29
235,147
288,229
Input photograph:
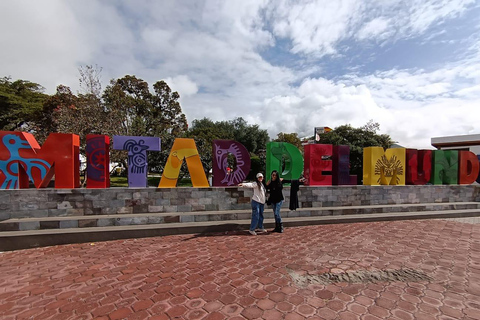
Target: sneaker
262,230
253,233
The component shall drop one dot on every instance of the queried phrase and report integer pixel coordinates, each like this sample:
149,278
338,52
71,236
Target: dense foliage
204,131
20,102
357,139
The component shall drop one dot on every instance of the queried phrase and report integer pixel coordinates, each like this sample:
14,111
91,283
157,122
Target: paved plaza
422,269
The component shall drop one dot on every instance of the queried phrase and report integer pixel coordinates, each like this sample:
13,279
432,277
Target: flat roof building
469,142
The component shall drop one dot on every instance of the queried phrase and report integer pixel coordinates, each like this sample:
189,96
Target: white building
469,142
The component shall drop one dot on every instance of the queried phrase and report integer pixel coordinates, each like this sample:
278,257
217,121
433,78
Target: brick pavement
237,276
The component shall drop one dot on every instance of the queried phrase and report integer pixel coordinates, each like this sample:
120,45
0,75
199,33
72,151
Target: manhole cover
360,276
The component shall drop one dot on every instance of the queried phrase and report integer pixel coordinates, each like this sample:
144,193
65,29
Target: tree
291,138
204,131
357,139
135,111
47,119
251,136
20,101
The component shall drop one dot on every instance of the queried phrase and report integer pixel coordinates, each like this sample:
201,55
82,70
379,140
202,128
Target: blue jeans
257,215
276,211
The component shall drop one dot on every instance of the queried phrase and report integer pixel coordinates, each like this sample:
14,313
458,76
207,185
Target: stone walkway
423,269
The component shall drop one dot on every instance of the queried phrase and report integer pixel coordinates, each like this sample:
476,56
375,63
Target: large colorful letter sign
444,167
341,167
137,148
316,165
419,166
183,149
468,167
222,177
22,160
98,161
383,168
285,158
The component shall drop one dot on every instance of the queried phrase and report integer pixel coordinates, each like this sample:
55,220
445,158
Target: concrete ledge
15,240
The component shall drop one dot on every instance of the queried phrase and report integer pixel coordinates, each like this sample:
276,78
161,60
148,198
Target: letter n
444,167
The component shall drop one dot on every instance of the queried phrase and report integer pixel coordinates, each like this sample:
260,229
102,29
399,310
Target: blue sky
413,66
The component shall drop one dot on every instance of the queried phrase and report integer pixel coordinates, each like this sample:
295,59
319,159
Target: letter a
183,149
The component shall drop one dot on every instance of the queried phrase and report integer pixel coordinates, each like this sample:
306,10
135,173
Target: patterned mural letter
137,148
98,161
468,167
317,161
383,168
444,167
419,168
341,167
183,149
222,177
22,160
285,158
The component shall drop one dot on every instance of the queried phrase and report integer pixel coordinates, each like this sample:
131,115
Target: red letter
315,164
468,168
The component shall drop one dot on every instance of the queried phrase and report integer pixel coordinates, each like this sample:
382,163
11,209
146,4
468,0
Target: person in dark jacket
275,187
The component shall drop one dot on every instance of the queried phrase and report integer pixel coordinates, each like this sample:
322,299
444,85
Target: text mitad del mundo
23,161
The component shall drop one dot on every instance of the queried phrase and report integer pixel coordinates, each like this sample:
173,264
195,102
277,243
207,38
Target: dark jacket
275,189
295,186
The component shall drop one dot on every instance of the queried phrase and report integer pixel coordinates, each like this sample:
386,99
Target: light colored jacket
258,194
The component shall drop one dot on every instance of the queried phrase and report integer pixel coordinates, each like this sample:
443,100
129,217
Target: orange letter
183,149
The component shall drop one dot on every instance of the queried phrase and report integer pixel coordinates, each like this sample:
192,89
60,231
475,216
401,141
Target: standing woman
258,203
275,186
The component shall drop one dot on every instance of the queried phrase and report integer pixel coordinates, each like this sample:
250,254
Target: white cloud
41,41
318,27
183,85
314,27
376,28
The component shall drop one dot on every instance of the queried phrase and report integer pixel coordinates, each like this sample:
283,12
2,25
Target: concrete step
66,222
14,240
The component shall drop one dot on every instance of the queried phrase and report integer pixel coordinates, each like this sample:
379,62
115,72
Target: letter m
23,160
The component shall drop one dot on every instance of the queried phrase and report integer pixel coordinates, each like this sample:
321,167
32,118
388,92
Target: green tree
81,114
135,111
20,101
204,131
47,119
291,138
251,136
357,139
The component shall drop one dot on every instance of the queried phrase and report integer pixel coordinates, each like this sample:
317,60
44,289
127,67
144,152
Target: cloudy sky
413,66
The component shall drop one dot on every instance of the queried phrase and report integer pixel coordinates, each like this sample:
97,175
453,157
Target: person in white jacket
258,203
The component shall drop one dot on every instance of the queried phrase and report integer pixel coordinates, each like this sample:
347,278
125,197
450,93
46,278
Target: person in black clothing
275,187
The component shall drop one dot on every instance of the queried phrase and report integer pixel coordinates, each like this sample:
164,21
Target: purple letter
137,156
223,177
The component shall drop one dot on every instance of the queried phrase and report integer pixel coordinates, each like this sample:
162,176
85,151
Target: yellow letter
383,168
183,149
